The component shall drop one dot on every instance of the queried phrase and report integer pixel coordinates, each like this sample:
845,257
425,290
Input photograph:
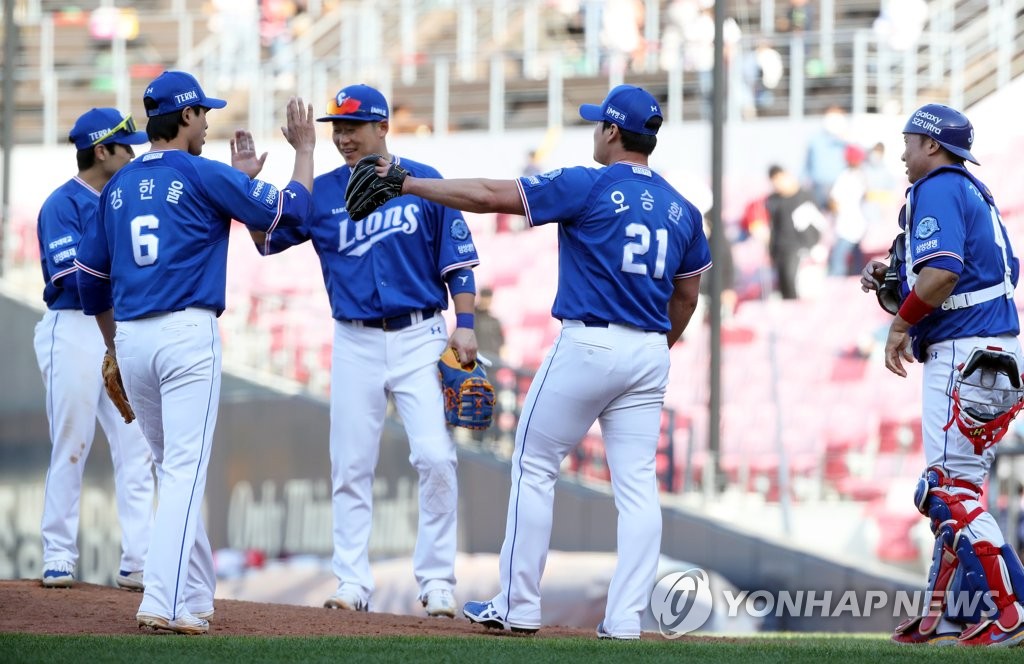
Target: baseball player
388,277
957,272
158,251
631,251
69,349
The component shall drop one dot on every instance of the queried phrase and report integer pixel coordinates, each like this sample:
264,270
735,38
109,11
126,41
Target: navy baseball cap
357,102
175,90
99,126
627,106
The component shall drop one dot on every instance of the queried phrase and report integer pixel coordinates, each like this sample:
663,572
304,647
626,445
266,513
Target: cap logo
928,122
615,114
378,110
344,105
191,95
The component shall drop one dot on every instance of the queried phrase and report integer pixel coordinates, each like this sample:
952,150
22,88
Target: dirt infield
27,607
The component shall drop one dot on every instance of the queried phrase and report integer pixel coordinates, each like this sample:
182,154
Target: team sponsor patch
60,242
926,228
533,180
150,156
642,170
62,256
459,230
551,175
926,246
465,248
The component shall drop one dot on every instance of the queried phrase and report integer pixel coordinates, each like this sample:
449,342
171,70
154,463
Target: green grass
364,650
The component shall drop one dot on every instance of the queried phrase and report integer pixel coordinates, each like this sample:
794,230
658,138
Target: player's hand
897,347
463,340
300,130
243,154
872,276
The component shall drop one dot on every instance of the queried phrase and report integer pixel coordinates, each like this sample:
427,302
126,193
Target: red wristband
914,309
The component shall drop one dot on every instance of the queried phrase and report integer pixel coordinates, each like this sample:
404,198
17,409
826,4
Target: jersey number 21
634,252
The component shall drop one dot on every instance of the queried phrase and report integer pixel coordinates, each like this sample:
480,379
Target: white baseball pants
171,367
617,376
69,349
367,364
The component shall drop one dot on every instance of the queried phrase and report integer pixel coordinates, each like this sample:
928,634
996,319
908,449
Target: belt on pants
399,322
595,323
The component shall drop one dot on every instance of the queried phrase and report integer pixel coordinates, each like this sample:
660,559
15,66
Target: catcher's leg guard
922,629
935,499
997,572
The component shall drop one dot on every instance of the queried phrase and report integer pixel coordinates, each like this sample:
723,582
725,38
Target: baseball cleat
601,634
347,600
1004,632
130,580
439,603
205,615
185,624
484,613
58,574
916,638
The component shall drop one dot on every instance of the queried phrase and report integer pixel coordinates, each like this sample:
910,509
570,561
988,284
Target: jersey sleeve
938,231
256,203
554,196
697,253
284,237
59,236
93,263
456,249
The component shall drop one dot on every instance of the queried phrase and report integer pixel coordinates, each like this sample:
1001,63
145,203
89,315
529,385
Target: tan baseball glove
115,388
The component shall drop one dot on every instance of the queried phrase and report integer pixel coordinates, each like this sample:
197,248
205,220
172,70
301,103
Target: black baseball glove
468,395
888,292
366,191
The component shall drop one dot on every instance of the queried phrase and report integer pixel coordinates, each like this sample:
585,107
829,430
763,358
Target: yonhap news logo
683,602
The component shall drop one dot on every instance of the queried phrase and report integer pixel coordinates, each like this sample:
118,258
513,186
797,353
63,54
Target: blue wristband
464,320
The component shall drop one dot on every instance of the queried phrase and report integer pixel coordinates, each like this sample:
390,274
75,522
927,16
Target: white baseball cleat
439,602
184,624
58,574
346,599
130,580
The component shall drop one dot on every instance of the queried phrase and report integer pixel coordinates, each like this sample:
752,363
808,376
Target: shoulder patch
926,228
551,175
459,230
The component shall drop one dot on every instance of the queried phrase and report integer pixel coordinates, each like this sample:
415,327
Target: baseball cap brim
591,112
960,152
354,118
213,102
135,138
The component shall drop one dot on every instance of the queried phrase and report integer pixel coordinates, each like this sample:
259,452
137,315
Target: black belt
595,323
399,322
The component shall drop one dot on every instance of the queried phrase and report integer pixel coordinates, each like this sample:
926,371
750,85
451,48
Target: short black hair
86,157
642,143
164,127
774,170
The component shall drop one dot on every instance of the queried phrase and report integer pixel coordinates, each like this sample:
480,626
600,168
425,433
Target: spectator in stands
233,21
849,224
762,73
622,23
826,154
795,225
699,49
799,18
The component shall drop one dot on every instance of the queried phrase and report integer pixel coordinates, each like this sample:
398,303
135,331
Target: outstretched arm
467,194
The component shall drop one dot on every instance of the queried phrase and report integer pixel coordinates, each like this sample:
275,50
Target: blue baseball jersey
161,234
62,220
624,236
390,263
952,223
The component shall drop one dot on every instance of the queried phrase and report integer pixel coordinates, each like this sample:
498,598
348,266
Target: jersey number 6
145,245
640,246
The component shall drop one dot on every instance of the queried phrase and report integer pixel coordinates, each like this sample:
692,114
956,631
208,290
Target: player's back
167,234
618,260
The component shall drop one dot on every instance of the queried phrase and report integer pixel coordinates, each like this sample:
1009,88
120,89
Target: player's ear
382,127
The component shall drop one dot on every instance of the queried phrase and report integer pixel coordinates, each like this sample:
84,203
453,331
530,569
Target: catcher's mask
987,395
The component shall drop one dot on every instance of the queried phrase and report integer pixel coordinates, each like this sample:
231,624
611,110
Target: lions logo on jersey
459,230
926,228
